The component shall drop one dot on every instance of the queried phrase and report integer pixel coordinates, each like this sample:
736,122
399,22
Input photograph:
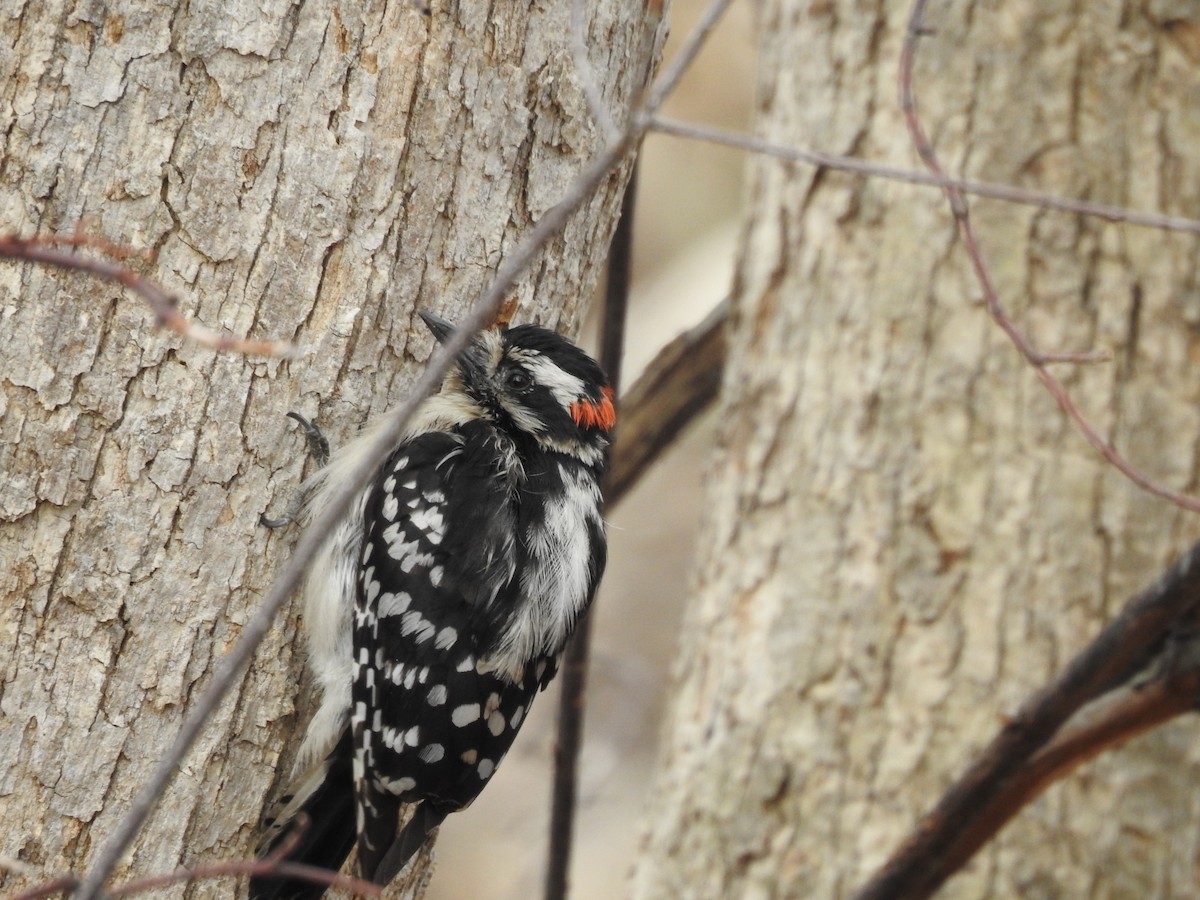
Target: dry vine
1037,359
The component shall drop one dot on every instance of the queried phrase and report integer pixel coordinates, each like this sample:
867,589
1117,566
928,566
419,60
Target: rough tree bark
308,171
905,536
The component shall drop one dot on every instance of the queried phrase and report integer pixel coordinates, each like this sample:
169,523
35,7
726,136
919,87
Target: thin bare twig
665,83
1076,358
482,314
1105,724
55,886
47,249
1005,192
573,677
1036,359
251,869
1001,779
274,863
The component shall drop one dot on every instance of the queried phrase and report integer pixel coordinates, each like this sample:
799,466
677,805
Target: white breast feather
555,583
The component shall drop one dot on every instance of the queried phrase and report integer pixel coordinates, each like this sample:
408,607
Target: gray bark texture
307,171
904,535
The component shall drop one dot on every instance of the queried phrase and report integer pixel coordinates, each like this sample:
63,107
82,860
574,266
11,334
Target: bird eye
518,380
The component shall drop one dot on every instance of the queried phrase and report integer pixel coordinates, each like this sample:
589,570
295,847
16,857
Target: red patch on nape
595,413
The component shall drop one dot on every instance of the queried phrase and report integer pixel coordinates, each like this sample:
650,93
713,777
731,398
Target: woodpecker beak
471,360
440,327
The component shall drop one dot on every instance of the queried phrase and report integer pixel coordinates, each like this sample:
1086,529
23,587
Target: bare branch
275,863
1079,358
236,869
680,383
666,82
247,869
1026,755
1005,192
1105,724
46,249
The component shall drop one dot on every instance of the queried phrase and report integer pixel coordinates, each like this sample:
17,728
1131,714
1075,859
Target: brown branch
1105,724
680,383
666,82
48,250
1036,359
1035,748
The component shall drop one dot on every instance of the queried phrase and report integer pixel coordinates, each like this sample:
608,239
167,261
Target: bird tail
325,794
412,837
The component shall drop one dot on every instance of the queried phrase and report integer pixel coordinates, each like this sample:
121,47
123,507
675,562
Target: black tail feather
327,840
412,838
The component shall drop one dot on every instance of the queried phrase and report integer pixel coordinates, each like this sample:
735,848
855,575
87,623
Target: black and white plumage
439,608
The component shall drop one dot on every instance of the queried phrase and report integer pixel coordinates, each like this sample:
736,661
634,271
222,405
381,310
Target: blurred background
686,227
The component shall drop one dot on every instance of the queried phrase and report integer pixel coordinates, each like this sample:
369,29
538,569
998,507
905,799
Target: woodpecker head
537,382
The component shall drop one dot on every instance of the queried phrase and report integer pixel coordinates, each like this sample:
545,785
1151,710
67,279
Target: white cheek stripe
565,387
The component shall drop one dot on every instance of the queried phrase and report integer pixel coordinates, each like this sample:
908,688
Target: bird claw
318,444
318,449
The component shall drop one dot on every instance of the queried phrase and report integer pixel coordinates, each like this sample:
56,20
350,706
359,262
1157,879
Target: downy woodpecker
439,607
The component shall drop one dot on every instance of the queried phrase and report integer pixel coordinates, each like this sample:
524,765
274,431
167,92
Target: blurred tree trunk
904,535
311,172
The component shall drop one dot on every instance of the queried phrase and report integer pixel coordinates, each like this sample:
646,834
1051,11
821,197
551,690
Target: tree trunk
905,536
307,171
